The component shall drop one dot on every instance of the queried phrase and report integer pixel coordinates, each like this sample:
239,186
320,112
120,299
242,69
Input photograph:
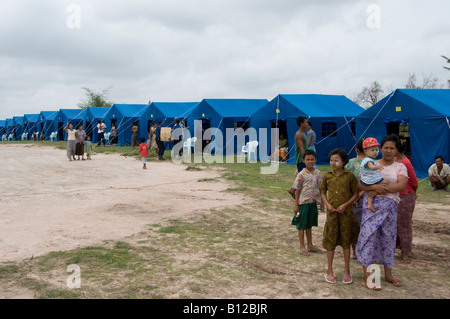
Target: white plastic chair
249,149
190,142
107,138
24,136
4,138
11,137
53,136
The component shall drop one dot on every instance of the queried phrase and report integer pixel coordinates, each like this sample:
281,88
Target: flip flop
347,279
330,279
304,252
374,288
395,282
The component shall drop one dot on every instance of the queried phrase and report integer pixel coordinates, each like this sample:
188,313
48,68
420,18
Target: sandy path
48,203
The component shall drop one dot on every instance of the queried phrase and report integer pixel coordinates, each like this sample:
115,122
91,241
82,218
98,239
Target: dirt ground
48,203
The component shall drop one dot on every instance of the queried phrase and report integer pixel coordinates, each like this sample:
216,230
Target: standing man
301,143
439,174
160,143
176,137
101,127
311,137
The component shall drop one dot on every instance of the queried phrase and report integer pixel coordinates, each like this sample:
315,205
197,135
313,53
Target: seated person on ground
439,174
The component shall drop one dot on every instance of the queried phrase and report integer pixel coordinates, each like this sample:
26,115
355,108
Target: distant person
143,149
101,127
301,143
71,141
34,136
282,149
152,133
88,147
407,204
80,136
161,147
370,170
113,134
134,136
439,174
307,196
311,137
177,138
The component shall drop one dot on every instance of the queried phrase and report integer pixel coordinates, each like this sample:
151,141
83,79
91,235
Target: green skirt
307,218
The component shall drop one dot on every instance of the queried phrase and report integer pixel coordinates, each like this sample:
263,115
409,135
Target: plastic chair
250,148
24,136
107,138
4,138
53,136
11,137
190,142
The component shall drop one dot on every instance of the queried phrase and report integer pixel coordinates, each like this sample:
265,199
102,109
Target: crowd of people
369,203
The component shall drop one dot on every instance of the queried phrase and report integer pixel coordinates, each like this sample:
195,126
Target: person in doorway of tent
152,133
311,137
177,138
34,136
353,166
307,196
378,234
339,190
370,170
143,149
113,134
80,135
134,136
101,127
439,174
282,149
71,141
407,203
161,147
88,146
301,143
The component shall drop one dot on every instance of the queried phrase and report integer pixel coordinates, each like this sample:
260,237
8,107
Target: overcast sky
179,50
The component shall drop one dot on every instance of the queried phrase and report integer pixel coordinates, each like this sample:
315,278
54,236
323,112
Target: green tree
95,98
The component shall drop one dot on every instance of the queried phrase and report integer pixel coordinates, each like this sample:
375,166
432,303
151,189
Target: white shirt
433,170
101,127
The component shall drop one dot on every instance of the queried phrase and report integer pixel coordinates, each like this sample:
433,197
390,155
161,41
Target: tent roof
98,112
130,110
18,119
174,109
9,122
410,103
235,107
75,114
31,117
2,123
49,115
317,105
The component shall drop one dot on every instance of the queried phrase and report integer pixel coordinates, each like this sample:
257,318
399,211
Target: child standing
307,196
339,190
370,170
88,147
143,149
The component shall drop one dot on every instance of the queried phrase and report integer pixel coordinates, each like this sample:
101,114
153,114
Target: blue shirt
158,131
368,176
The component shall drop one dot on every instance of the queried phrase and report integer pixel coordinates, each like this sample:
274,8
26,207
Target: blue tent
422,116
47,123
30,122
332,118
123,116
18,127
165,112
9,126
222,114
2,127
93,115
73,116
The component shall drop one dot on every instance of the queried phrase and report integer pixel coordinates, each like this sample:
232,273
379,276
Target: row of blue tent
420,115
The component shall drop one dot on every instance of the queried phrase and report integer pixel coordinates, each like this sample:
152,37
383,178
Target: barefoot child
370,170
339,190
307,196
88,146
143,149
